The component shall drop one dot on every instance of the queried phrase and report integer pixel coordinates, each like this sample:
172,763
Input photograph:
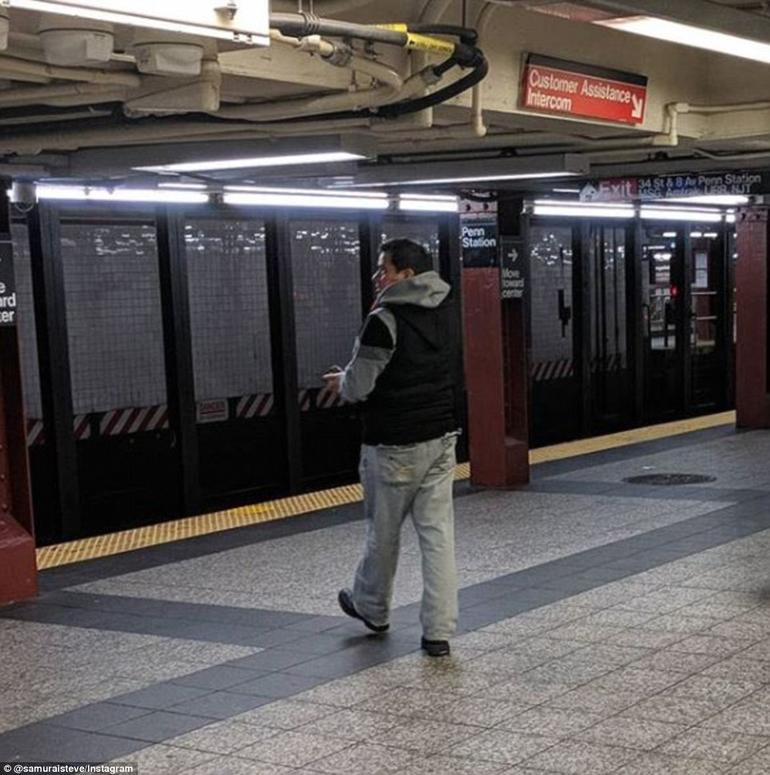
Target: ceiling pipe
52,95
389,89
10,66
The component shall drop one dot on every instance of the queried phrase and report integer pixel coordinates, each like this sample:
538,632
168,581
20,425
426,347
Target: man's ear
409,272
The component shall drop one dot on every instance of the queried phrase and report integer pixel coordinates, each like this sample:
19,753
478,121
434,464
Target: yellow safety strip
205,524
417,42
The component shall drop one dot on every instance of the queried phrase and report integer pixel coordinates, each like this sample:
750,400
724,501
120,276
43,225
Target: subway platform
606,627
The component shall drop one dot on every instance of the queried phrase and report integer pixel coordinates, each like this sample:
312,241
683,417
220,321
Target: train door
709,320
608,396
555,379
663,319
685,319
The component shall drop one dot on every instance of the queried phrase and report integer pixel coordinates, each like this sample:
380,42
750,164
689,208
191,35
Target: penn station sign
557,86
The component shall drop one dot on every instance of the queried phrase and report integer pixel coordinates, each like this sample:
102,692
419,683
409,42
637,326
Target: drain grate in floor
667,480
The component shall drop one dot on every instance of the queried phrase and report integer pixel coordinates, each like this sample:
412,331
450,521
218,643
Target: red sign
569,88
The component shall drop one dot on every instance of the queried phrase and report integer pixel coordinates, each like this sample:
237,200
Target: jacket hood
426,289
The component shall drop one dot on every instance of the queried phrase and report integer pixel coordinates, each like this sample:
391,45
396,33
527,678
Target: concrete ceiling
100,134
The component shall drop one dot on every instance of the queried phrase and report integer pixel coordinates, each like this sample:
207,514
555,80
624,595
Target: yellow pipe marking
242,516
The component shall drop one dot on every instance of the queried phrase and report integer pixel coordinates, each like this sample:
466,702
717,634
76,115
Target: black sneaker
435,648
345,599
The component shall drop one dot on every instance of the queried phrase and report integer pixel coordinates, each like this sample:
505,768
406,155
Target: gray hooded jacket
375,345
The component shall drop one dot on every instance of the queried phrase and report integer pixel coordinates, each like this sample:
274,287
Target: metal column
180,386
54,365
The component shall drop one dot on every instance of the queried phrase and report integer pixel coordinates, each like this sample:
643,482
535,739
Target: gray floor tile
225,737
424,736
551,722
285,714
450,765
674,710
97,716
271,660
579,758
365,757
219,677
352,724
502,746
157,727
294,749
278,685
57,744
231,765
169,760
714,745
160,696
642,734
219,704
660,764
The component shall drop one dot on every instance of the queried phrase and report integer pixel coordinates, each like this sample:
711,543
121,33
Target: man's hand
333,380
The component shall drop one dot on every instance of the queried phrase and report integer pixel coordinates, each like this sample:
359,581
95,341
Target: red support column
496,374
18,567
752,388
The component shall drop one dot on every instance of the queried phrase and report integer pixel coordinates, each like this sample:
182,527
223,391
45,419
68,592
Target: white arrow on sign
637,106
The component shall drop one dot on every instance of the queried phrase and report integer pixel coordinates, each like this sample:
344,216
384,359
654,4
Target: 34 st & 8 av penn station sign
653,187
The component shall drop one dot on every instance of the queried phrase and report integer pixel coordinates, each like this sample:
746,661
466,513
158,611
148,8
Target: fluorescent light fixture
727,200
84,193
255,162
690,35
669,234
566,190
245,22
483,178
298,198
670,214
579,210
473,171
429,204
184,186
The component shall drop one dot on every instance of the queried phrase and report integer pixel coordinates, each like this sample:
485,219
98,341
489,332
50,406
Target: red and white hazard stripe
259,405
542,371
81,426
34,431
133,420
326,399
305,400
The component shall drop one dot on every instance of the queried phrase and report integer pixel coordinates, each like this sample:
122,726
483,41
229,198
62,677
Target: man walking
404,374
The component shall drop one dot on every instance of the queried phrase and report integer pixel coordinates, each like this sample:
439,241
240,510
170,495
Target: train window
114,318
229,317
327,294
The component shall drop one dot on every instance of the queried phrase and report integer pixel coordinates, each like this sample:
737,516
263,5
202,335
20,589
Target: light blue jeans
414,479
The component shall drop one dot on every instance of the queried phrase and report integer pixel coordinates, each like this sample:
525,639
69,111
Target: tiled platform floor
605,628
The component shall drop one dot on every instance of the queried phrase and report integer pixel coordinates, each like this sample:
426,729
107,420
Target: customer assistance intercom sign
552,85
7,285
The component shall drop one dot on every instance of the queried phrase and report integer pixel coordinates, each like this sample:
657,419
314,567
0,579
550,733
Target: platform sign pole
18,568
495,317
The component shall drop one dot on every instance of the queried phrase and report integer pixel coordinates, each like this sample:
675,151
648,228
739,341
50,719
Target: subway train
172,360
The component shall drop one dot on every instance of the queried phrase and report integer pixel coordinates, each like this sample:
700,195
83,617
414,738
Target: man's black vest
414,398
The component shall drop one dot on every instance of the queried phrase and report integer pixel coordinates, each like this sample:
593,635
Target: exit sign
569,88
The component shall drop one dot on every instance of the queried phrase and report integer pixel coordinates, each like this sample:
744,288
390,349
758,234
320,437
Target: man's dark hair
407,254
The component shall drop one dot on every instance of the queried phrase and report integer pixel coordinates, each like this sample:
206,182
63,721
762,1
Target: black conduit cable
422,103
